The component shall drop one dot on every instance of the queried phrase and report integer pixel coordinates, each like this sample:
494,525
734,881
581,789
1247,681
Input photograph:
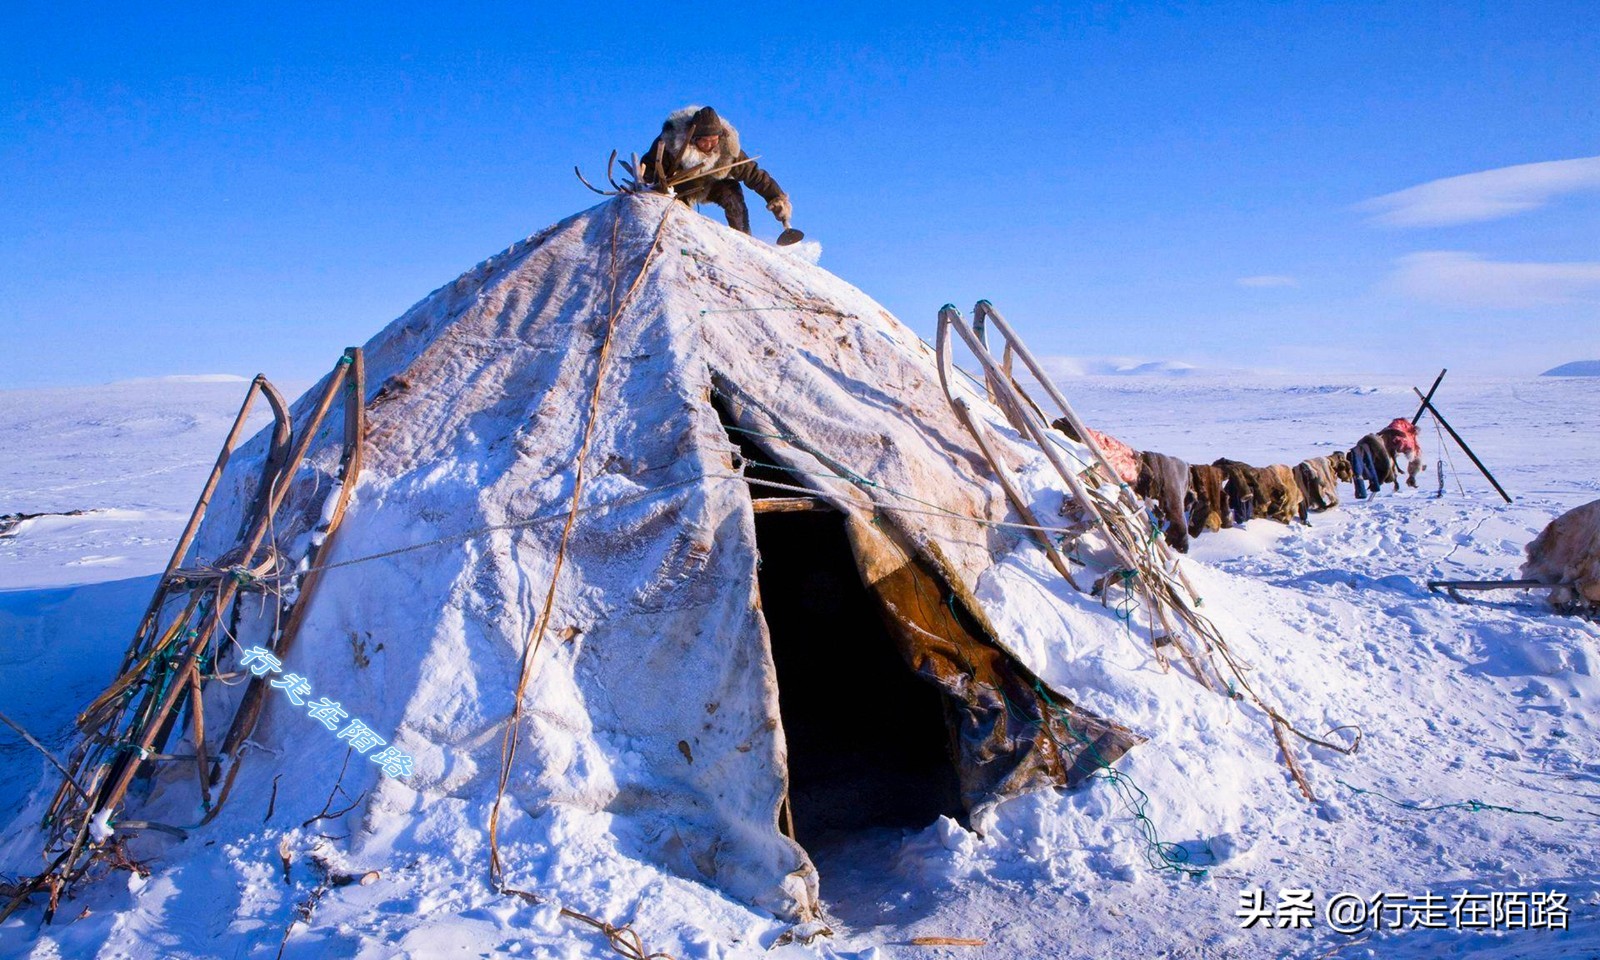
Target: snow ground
1492,701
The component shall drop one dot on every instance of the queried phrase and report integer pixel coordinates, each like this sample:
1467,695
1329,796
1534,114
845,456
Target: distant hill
1170,368
1577,368
1118,367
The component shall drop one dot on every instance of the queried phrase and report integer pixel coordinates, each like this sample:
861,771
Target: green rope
1129,604
757,433
1159,854
1471,806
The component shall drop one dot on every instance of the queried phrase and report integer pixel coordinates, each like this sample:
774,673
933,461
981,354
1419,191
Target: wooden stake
1417,418
1428,405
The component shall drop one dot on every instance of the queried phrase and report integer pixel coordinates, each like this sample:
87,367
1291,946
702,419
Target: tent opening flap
868,741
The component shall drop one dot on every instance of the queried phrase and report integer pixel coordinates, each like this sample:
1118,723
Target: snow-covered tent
557,592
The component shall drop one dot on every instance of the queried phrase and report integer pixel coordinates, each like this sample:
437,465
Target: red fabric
1401,435
1122,456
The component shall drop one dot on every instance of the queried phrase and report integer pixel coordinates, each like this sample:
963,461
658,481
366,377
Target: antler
632,182
603,193
611,162
634,169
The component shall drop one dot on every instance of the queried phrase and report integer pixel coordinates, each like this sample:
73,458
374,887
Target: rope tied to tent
242,574
647,494
622,939
1471,806
1159,854
757,288
708,311
842,472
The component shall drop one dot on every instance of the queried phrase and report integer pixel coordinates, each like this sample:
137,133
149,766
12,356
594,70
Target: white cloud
1457,279
1268,280
1487,195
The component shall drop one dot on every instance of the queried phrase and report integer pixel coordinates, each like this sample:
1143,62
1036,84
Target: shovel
789,235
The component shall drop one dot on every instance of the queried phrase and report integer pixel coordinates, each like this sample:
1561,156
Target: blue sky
195,191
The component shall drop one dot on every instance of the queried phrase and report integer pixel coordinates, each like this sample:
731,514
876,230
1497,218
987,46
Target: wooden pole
277,456
1427,399
985,308
789,504
147,623
949,317
1133,503
1428,405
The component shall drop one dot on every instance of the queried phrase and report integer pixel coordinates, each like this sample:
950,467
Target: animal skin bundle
1373,466
1279,494
1400,439
1165,480
1567,552
1240,488
1210,511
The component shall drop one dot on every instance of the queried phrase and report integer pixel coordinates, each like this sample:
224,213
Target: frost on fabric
470,471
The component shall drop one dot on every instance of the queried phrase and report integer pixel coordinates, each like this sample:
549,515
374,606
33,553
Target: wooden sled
174,654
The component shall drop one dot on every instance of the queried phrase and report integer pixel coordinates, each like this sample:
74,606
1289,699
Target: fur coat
1240,488
1318,484
1165,480
673,152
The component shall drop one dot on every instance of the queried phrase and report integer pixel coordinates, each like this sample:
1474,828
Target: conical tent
547,591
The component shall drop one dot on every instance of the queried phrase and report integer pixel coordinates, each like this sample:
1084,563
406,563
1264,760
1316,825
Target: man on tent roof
695,138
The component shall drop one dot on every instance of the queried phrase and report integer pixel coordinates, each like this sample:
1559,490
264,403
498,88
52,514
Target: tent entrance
868,741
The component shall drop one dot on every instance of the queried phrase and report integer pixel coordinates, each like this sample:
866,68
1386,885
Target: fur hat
705,123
